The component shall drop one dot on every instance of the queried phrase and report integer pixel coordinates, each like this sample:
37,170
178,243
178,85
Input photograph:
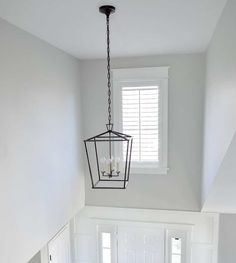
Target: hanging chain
108,69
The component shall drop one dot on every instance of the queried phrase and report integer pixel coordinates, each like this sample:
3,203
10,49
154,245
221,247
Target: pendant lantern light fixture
109,153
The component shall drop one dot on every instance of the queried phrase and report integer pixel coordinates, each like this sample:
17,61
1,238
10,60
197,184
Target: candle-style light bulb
113,163
108,162
117,164
103,164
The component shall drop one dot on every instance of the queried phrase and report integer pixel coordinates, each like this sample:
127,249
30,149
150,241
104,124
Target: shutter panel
140,118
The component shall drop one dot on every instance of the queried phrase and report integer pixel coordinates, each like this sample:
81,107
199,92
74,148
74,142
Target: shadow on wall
36,258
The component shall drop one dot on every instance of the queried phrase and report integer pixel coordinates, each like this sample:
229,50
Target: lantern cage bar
105,144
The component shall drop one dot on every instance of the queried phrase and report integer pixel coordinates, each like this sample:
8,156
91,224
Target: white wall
227,234
41,176
180,189
220,106
222,195
202,227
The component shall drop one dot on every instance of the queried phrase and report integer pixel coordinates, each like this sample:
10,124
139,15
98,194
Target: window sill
149,170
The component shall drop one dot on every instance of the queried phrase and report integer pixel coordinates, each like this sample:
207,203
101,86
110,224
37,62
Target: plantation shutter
140,118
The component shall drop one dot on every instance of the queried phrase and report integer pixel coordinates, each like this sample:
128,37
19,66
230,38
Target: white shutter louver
140,118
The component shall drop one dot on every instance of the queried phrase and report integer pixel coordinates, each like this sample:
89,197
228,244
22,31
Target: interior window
177,246
106,247
141,110
176,250
107,243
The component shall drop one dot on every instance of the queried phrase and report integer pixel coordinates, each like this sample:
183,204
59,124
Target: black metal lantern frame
109,177
107,171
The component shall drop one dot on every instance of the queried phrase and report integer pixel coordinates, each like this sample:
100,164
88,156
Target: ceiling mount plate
107,9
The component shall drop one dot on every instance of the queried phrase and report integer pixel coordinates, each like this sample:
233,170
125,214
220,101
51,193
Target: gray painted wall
220,106
227,235
180,189
41,182
36,258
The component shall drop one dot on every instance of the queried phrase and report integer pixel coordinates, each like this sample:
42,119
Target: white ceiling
139,27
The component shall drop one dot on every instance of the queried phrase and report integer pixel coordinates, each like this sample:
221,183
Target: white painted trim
136,223
63,229
44,254
112,226
140,74
185,244
59,232
144,76
144,215
108,228
201,228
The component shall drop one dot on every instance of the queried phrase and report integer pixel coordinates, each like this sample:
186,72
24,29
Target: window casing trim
184,235
144,77
112,230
